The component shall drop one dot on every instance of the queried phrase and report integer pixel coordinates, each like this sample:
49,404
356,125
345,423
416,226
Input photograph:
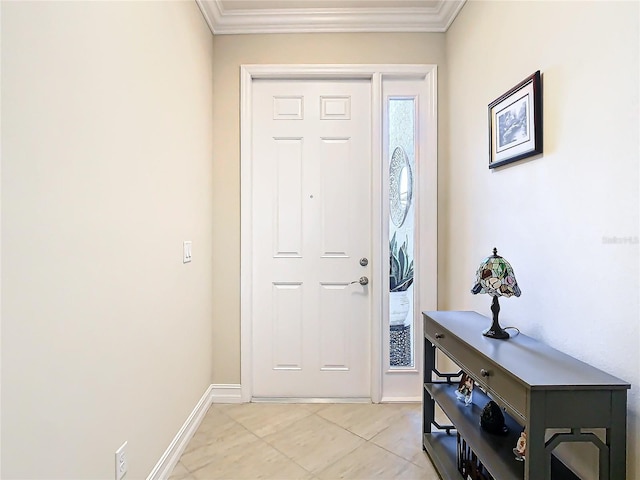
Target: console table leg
617,434
537,466
428,405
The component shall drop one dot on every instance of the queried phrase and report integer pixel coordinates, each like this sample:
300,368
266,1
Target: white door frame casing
376,74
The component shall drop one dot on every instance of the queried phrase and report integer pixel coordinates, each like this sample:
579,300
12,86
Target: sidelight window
402,149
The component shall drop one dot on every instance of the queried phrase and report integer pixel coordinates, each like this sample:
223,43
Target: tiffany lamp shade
495,277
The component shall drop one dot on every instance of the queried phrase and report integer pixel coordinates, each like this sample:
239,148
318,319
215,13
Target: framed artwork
464,392
515,123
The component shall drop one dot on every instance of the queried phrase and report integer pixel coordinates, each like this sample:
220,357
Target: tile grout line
310,413
220,411
237,423
306,470
402,414
281,452
371,442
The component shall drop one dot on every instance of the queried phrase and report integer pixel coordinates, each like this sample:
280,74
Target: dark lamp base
495,331
498,333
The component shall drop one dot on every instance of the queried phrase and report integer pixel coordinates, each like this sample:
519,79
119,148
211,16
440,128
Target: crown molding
323,20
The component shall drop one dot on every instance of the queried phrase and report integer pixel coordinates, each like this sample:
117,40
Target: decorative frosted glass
401,156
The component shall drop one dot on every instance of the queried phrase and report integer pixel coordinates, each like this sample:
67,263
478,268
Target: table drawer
488,374
510,391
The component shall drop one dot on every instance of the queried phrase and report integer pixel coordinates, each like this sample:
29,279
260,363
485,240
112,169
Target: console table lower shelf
496,451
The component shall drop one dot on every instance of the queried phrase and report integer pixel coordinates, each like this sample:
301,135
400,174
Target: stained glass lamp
495,277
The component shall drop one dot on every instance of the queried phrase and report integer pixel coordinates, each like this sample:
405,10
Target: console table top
534,363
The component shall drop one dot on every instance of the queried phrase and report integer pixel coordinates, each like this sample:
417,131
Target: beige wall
231,51
551,216
106,169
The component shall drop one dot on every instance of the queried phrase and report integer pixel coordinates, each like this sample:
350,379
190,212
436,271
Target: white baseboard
226,393
172,455
311,400
401,400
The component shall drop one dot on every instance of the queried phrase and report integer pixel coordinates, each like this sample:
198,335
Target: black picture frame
515,123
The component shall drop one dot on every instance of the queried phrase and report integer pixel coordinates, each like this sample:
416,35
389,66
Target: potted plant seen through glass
400,279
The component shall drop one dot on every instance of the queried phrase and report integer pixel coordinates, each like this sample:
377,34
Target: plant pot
398,307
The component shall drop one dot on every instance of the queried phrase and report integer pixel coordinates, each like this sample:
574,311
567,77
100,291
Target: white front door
311,226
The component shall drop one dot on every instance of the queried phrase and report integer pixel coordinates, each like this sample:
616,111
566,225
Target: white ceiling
289,16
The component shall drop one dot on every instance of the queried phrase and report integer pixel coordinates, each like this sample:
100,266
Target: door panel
334,304
311,224
288,202
287,323
336,181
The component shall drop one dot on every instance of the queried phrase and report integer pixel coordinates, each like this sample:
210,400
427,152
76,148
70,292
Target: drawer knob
439,335
484,373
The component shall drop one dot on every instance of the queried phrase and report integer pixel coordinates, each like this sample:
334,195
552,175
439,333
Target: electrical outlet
121,461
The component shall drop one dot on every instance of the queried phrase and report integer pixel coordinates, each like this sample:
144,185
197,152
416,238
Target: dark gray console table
538,387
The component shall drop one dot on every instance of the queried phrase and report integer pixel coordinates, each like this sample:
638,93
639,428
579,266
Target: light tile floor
307,442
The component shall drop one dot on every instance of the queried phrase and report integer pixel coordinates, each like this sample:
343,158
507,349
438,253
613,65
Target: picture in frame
464,392
515,123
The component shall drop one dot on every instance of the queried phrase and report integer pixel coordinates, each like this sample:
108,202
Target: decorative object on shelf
469,465
400,186
464,392
515,123
521,447
495,277
400,279
492,419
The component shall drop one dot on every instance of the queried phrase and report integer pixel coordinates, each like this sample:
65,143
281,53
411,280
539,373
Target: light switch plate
186,251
